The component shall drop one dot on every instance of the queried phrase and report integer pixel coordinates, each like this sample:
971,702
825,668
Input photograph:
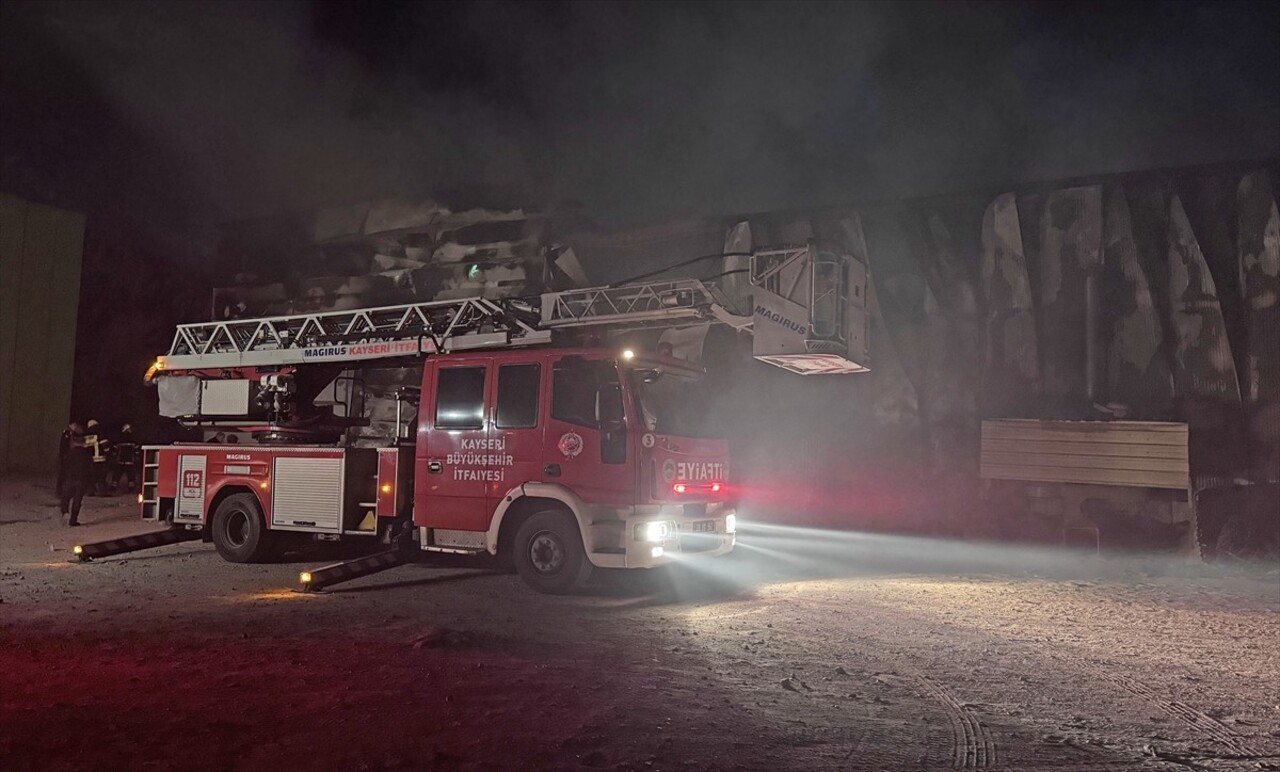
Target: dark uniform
77,476
124,461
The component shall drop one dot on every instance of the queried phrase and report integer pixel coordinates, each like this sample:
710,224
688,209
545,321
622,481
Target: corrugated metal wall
1141,454
40,254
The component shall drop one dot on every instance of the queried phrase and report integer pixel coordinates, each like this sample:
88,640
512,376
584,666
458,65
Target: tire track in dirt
889,632
845,722
1234,745
1210,726
972,745
1205,724
975,748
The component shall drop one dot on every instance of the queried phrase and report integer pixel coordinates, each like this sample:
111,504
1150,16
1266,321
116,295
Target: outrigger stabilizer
318,578
143,541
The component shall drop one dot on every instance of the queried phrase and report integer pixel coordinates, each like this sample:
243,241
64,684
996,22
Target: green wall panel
40,256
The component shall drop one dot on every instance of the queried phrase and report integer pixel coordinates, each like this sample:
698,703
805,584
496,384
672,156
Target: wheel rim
546,553
237,528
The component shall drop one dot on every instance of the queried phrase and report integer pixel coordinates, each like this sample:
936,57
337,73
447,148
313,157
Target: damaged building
1146,298
379,254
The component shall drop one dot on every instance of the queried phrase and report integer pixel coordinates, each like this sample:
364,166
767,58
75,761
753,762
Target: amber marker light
155,367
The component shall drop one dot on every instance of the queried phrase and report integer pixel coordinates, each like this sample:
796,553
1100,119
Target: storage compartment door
307,494
191,488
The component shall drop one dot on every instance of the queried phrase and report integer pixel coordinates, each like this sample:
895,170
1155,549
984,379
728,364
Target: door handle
551,470
434,467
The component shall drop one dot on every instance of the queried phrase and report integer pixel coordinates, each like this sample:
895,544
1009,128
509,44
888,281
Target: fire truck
523,428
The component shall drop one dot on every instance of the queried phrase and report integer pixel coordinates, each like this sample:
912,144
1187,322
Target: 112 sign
192,484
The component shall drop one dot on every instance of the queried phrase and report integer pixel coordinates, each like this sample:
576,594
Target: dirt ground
802,650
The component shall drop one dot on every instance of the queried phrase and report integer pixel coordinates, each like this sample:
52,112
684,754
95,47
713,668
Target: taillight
680,488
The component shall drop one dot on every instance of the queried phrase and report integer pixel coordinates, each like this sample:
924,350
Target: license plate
704,526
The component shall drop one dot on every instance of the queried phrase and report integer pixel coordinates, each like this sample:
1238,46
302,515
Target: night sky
176,116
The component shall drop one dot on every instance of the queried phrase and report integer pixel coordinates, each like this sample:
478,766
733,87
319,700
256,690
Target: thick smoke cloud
641,111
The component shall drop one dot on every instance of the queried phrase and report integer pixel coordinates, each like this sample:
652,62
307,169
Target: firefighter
76,473
124,461
98,443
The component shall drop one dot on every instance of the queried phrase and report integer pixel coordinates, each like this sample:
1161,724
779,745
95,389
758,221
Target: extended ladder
653,302
415,329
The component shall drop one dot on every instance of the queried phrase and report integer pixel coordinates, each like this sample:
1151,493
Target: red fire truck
512,434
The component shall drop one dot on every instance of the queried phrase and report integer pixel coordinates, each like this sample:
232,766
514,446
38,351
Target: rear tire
239,530
549,555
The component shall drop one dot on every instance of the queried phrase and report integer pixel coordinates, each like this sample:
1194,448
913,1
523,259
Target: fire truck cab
565,459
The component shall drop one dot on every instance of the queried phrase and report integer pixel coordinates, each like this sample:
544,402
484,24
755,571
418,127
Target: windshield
671,404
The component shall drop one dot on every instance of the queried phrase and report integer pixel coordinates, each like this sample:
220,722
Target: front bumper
710,539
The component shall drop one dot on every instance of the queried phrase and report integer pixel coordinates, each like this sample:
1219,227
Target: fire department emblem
647,440
669,470
570,444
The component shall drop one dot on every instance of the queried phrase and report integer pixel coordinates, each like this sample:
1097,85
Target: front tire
239,530
549,555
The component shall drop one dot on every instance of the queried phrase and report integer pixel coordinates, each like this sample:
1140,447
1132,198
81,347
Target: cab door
454,473
519,419
587,446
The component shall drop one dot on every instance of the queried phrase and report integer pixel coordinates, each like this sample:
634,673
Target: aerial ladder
816,298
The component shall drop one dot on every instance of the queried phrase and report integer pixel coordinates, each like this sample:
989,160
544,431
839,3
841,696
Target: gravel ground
802,650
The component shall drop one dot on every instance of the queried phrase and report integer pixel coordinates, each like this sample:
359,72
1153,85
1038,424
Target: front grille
695,510
699,542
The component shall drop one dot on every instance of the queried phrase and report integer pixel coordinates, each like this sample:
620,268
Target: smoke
640,112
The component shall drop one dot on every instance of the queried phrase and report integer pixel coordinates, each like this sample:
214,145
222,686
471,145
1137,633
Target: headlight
730,523
657,531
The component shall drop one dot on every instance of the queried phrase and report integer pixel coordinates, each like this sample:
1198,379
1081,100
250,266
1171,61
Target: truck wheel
239,532
549,554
